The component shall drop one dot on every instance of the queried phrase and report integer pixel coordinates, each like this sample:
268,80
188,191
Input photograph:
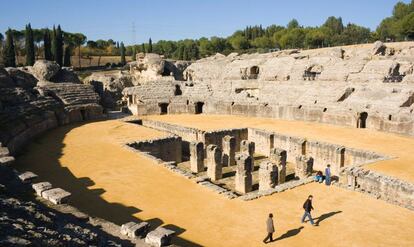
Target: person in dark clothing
270,229
307,206
328,175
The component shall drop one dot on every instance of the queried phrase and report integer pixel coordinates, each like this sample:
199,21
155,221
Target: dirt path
114,183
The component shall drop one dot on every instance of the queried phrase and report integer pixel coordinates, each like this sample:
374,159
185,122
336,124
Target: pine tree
123,60
150,46
47,45
66,58
29,45
9,58
57,45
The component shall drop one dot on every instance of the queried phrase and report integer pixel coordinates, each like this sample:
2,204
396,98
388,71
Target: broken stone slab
4,151
27,177
56,196
135,230
7,160
159,237
40,187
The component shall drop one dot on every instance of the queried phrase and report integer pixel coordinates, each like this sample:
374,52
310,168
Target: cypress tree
9,57
29,45
47,45
143,48
150,46
66,58
53,43
134,53
123,60
57,45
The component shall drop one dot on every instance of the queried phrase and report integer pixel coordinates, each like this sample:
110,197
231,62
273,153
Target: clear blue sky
179,19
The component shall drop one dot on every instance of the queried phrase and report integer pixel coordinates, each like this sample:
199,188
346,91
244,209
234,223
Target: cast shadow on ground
290,233
323,217
86,199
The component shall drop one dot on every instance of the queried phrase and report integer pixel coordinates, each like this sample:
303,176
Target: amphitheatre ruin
201,152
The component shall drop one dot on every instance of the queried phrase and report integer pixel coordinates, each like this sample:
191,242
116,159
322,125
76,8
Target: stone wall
166,149
390,189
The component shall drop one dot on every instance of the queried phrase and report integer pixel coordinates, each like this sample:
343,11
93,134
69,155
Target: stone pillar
267,175
229,150
247,147
243,178
197,157
214,166
279,156
303,167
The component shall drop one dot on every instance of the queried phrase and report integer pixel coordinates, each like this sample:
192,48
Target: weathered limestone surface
159,237
243,179
268,173
303,166
247,147
56,196
41,187
27,110
380,186
229,150
197,157
329,85
135,230
27,177
214,165
278,156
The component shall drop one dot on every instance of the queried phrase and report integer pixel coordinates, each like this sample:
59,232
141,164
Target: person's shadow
290,233
325,216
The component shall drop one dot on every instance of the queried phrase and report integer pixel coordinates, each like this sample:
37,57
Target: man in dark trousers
307,206
270,229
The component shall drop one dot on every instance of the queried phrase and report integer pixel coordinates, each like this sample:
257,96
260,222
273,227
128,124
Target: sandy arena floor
114,183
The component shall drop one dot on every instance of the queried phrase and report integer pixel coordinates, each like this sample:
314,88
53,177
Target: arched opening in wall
177,90
390,117
199,107
362,120
163,108
130,100
254,72
325,109
83,114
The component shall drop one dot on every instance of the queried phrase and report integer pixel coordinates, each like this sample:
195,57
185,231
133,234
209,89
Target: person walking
307,206
328,175
270,229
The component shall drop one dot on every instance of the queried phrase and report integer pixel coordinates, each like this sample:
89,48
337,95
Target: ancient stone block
303,167
243,179
7,160
247,147
159,237
268,173
197,157
279,156
135,230
27,177
56,196
229,150
40,187
214,166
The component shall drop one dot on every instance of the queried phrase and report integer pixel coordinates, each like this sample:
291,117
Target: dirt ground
396,146
112,182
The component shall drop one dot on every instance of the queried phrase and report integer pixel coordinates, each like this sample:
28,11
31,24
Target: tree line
59,45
